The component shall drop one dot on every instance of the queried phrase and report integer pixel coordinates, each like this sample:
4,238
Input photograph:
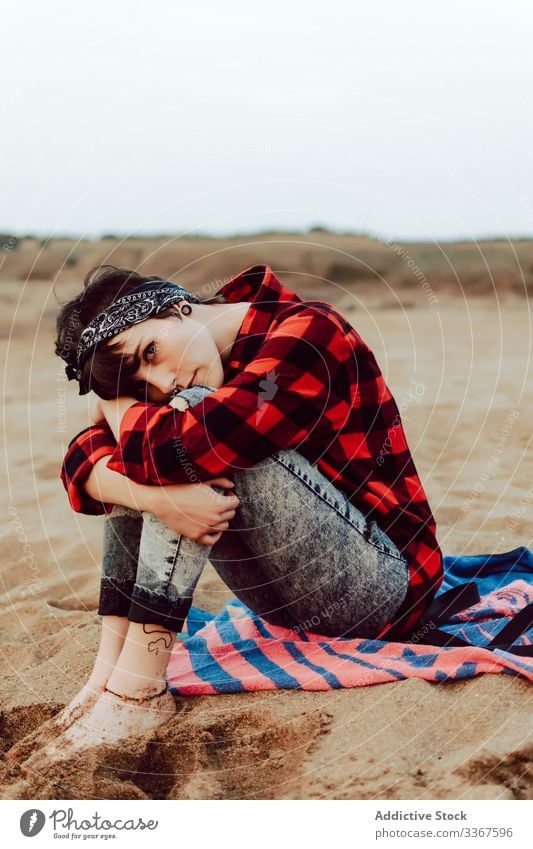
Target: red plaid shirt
298,376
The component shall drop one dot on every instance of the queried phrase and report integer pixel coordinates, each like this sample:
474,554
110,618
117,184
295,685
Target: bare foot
82,702
111,720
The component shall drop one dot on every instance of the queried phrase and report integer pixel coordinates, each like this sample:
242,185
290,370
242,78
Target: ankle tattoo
159,643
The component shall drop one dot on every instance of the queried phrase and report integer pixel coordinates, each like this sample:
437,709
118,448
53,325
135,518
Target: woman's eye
150,351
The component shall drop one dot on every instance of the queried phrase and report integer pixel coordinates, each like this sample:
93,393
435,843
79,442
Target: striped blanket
236,651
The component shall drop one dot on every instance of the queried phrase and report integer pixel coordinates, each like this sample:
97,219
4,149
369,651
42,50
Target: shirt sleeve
89,446
285,394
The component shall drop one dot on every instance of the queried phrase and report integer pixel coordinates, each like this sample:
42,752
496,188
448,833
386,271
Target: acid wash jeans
297,552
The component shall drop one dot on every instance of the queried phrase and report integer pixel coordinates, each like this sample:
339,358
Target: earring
186,309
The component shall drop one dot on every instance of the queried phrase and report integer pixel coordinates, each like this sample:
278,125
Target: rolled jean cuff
151,608
195,394
115,596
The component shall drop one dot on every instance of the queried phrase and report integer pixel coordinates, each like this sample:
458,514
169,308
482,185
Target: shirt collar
259,285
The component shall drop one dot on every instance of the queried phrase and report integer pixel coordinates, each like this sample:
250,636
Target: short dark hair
108,371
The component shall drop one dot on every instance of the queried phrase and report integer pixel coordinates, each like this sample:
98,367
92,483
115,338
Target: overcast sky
410,120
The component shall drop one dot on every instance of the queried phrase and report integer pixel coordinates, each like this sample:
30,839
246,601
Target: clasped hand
196,510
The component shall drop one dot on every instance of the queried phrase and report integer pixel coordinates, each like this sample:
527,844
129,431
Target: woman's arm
196,511
105,485
84,451
113,411
192,510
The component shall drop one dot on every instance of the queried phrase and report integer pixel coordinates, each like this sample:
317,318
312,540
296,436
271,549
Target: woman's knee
269,493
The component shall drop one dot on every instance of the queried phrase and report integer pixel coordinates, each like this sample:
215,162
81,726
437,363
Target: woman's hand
179,403
195,510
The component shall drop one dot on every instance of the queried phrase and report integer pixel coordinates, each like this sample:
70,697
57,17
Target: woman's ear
175,311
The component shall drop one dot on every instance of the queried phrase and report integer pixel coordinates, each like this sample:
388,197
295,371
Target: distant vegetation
9,242
310,262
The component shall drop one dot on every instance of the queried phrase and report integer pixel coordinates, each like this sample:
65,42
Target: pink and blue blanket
236,651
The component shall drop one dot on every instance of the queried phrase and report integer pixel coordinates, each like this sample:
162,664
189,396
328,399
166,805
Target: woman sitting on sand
328,528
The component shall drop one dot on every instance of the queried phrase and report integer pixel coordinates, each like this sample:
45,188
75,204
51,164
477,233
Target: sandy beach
471,351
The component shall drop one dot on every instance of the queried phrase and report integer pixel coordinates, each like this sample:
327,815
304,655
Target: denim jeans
297,552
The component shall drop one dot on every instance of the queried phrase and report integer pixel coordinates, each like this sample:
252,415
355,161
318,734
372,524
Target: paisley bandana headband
144,301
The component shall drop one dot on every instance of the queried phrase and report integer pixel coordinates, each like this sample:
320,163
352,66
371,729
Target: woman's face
174,353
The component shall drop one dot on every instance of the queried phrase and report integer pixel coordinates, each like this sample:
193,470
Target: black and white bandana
146,300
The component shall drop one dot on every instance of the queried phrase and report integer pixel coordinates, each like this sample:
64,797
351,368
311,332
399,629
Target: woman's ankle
102,670
134,686
141,669
114,630
97,679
